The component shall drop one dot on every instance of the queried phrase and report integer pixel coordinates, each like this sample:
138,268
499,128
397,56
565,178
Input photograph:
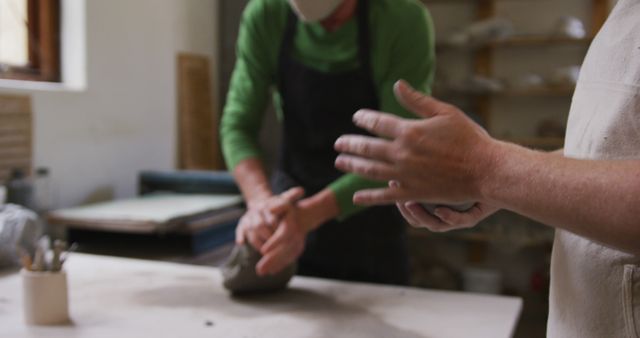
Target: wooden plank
14,127
486,9
15,104
599,13
49,39
483,63
4,172
15,134
534,40
197,124
520,42
12,140
15,162
14,152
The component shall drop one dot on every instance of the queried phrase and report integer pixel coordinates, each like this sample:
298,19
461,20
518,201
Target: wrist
318,209
258,195
252,180
501,171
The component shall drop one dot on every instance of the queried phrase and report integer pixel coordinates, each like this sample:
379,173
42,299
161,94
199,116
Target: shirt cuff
344,188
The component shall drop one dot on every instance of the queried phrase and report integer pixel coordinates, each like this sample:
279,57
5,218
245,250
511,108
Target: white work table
116,297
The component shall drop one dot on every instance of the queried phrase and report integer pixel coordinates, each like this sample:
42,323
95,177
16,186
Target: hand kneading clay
239,273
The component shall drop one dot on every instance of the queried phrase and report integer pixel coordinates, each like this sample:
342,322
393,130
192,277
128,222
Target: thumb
416,102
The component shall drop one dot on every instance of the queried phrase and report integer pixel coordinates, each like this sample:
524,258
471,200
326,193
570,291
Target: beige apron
595,290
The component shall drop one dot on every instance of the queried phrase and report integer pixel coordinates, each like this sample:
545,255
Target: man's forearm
253,181
594,199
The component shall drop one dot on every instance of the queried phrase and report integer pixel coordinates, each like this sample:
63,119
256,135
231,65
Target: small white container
45,297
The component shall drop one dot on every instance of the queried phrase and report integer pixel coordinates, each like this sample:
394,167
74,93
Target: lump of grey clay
239,273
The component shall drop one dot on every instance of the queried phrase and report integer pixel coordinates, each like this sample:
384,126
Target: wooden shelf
534,92
468,1
520,41
486,237
546,91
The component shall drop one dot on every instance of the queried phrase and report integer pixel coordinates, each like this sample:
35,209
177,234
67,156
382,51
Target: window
30,40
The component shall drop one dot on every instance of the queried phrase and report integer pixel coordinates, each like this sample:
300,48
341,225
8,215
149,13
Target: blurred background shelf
525,238
470,1
521,41
560,91
524,41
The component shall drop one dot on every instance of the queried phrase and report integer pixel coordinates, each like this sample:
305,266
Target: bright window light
14,34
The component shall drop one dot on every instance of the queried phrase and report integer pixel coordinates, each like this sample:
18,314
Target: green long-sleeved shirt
403,47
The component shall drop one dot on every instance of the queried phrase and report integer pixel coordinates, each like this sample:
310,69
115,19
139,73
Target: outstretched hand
440,159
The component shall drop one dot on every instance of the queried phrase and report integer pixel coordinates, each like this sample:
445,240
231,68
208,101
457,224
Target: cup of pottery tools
44,284
45,297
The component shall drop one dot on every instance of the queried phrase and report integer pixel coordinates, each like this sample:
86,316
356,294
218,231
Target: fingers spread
368,147
368,168
381,124
414,101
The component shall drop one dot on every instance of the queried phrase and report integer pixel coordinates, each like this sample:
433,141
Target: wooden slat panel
8,127
15,104
4,172
599,14
13,140
15,134
13,152
198,126
10,163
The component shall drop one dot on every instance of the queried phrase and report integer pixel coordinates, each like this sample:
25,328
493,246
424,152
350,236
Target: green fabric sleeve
402,48
411,61
251,81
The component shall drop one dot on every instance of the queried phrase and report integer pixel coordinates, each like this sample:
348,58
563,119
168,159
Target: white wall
97,140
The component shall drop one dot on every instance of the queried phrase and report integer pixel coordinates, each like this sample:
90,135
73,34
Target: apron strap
286,46
364,36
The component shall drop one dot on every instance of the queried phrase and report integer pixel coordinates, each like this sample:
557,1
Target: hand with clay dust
287,242
260,221
439,159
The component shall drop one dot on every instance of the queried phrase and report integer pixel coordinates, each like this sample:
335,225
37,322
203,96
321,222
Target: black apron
317,109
